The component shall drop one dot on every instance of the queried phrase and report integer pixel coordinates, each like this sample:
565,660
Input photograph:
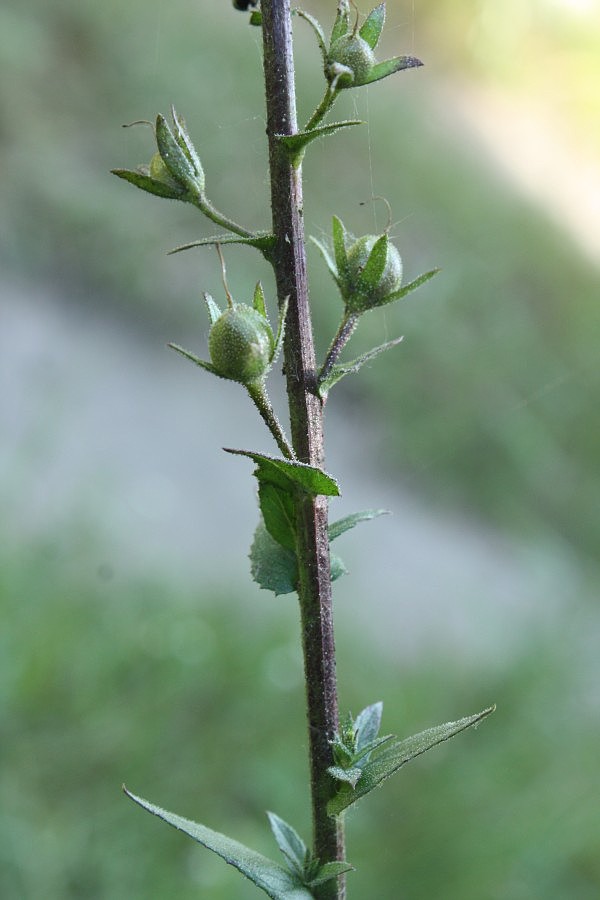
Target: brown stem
306,420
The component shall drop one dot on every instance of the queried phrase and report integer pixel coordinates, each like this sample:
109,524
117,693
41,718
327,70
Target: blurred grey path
108,434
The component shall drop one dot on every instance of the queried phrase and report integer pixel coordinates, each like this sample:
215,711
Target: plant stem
218,218
344,333
306,420
261,400
322,109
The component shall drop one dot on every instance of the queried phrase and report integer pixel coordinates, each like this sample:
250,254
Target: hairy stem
263,404
322,109
343,335
218,218
306,419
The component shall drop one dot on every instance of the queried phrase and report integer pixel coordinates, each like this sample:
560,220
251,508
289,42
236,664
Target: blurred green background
133,646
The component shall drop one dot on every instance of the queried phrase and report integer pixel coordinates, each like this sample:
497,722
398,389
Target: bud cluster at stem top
349,60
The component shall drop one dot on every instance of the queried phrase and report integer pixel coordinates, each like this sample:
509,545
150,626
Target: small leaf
348,522
372,26
289,842
150,185
337,567
316,27
341,26
174,158
408,288
269,876
389,67
295,144
283,308
370,276
339,245
193,358
214,312
340,370
273,567
326,256
183,139
368,722
256,17
263,241
289,475
386,763
346,776
361,756
259,300
328,871
279,514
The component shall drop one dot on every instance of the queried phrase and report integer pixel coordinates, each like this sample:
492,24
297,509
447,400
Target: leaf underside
395,755
263,241
150,185
295,144
340,370
273,567
288,474
269,876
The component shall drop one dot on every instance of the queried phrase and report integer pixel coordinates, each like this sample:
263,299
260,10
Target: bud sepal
349,60
368,273
243,348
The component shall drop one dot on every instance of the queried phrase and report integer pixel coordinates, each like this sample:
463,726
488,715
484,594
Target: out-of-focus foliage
104,681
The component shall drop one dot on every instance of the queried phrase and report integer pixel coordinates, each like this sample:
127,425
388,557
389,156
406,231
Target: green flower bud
159,171
352,52
241,344
357,298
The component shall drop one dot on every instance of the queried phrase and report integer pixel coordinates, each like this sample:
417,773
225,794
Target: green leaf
348,522
368,721
370,276
341,26
386,763
193,358
408,288
273,567
361,756
175,159
339,245
262,240
290,843
259,300
330,870
150,185
289,475
345,776
279,514
269,876
372,26
316,27
281,317
326,256
214,312
295,144
183,139
389,67
340,370
256,17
